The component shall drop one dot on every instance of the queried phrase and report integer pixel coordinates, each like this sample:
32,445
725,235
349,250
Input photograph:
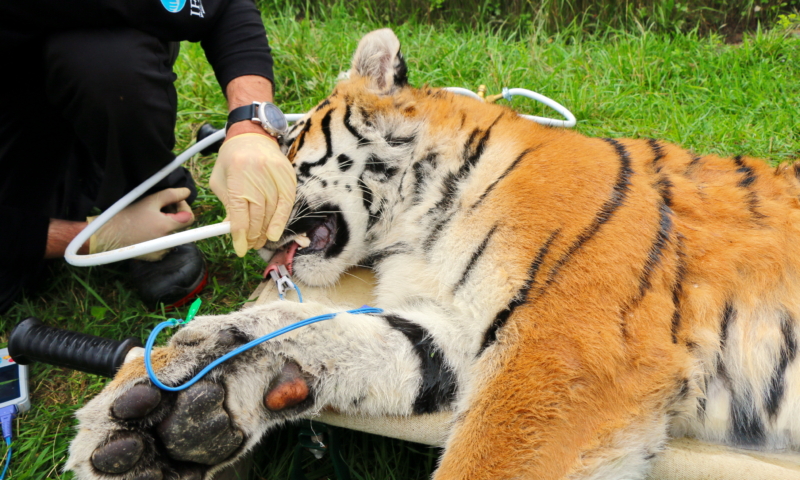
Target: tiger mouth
316,234
320,235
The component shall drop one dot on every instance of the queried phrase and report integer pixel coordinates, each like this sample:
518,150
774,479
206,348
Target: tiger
575,302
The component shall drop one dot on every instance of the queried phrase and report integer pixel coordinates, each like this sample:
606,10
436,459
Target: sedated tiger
575,301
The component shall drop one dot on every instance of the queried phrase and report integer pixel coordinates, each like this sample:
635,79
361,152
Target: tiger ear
378,59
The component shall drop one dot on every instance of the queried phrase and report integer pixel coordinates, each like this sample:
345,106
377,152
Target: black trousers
85,116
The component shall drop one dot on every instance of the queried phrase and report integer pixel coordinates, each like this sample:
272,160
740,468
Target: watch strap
239,114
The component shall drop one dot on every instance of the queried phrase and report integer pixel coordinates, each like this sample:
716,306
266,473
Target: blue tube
148,348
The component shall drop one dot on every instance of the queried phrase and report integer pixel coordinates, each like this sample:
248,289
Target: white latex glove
257,185
144,221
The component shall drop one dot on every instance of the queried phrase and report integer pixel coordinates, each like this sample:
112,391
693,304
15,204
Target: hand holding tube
257,184
144,221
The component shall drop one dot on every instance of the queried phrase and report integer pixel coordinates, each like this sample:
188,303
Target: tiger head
365,157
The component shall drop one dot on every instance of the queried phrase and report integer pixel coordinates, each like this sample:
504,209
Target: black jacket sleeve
230,31
237,45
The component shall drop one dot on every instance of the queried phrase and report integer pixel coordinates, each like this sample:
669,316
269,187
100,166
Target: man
87,112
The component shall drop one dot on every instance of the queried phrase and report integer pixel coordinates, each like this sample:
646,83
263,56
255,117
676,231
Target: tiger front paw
135,431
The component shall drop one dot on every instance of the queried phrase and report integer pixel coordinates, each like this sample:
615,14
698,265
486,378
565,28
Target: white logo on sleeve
196,8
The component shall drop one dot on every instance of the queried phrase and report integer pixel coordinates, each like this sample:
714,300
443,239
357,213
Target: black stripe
664,187
749,175
747,182
438,388
399,141
728,315
684,391
504,175
701,408
476,255
692,165
449,187
323,104
366,195
350,128
654,257
471,155
677,292
326,131
301,137
344,162
449,184
656,252
422,171
747,427
777,384
753,205
490,336
658,152
380,168
384,253
617,198
436,231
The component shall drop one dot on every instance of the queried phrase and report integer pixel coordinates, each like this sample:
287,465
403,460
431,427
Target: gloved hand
144,221
257,185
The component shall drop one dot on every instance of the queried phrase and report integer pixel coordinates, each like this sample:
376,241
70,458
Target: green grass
698,92
727,17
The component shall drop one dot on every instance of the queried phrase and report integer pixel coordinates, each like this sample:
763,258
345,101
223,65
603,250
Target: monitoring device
13,383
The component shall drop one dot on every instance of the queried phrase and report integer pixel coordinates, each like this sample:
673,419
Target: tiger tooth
302,240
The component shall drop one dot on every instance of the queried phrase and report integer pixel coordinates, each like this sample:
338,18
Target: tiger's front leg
556,399
134,431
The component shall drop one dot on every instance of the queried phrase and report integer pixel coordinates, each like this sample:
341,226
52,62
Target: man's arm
59,234
251,177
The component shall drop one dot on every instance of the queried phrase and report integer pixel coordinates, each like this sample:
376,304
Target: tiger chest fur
575,301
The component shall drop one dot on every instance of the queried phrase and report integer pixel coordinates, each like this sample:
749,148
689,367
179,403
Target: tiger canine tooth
302,240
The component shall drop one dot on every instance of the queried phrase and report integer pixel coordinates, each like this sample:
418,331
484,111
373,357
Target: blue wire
8,458
170,323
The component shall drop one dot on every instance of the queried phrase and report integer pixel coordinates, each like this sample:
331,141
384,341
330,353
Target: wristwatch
266,114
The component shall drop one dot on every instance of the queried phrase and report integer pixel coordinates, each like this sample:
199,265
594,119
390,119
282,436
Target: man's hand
144,221
257,184
252,177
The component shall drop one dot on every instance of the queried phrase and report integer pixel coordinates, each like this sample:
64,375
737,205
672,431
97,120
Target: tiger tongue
284,256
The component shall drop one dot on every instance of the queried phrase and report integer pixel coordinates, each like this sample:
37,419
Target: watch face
274,117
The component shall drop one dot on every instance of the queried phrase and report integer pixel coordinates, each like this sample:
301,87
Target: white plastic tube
524,92
464,91
71,253
124,253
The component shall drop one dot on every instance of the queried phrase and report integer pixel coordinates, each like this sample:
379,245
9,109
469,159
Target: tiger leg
353,364
556,407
